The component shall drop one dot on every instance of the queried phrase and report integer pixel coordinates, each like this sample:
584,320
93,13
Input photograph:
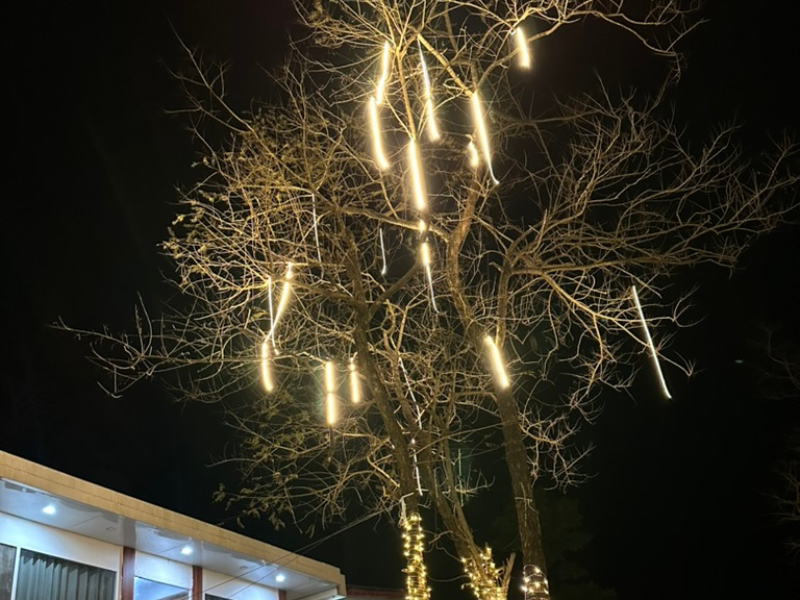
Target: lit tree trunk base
487,581
413,546
534,583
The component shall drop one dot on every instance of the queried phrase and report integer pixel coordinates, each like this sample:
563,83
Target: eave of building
84,508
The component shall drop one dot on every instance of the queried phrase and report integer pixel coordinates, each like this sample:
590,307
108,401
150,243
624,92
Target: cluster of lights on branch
485,578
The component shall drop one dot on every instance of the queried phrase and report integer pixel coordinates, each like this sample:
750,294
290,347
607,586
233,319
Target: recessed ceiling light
186,550
280,577
50,509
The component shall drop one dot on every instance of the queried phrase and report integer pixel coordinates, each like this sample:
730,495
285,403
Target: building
62,538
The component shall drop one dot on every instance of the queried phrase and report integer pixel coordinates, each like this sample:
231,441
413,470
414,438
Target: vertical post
128,568
197,582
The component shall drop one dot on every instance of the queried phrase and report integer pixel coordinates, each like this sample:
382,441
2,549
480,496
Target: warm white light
416,176
433,130
355,383
49,510
330,392
497,362
426,254
377,144
385,64
186,550
280,577
426,261
383,251
522,48
650,344
474,159
285,293
483,136
316,230
266,365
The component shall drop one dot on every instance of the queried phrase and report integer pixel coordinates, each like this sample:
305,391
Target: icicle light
384,268
413,546
266,366
380,91
316,230
377,145
355,383
522,48
330,393
472,151
497,362
650,345
416,176
426,262
433,130
483,136
282,303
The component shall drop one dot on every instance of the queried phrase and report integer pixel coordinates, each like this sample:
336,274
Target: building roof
27,489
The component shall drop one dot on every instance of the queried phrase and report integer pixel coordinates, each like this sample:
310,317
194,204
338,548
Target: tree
399,216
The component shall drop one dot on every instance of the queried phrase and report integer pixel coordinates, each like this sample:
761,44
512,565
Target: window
43,577
145,589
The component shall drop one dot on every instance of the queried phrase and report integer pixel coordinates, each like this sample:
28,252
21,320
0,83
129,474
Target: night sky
679,505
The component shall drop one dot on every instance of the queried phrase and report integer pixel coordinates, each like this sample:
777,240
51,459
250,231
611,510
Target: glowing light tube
416,176
497,362
266,366
330,393
377,144
483,137
433,130
383,252
472,151
316,231
426,261
285,293
380,92
522,48
355,383
650,345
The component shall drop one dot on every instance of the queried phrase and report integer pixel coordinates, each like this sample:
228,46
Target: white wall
237,589
57,542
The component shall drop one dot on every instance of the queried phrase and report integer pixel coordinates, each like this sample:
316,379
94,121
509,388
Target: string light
266,366
483,136
522,48
380,91
416,176
650,344
330,393
534,583
413,546
497,362
355,383
485,578
433,130
380,158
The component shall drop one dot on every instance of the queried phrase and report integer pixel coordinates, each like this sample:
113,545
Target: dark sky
677,508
